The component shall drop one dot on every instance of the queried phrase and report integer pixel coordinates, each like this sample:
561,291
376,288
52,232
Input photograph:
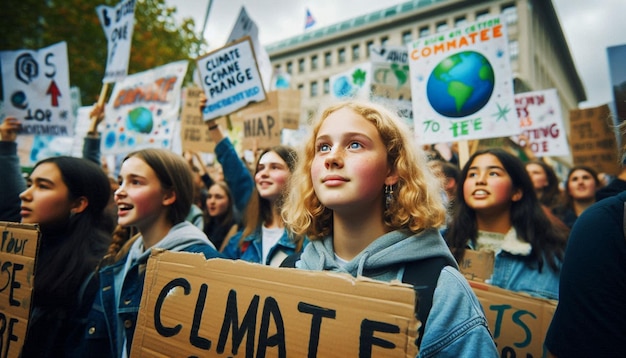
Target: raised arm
11,181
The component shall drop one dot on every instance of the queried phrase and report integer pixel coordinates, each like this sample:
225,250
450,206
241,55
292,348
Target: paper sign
117,23
232,308
18,251
389,54
194,131
462,84
37,91
143,110
541,122
356,82
230,79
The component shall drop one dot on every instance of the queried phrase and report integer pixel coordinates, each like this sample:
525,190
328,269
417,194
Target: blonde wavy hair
417,202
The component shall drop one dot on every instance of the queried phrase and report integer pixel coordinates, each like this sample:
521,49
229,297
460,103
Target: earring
388,195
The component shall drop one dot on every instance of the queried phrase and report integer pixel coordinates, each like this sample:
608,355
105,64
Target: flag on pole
309,21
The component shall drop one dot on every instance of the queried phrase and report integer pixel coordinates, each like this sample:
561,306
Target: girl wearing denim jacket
497,209
364,196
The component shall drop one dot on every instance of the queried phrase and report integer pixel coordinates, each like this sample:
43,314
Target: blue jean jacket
253,247
96,333
513,272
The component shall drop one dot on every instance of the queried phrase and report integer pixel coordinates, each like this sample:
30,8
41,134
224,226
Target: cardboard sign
262,122
194,131
593,140
517,321
477,264
227,308
230,78
36,86
18,249
462,83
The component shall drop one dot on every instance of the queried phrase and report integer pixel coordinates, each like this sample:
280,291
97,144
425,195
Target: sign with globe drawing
142,111
462,84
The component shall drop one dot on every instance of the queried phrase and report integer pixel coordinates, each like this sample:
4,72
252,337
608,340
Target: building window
369,45
424,31
301,65
341,53
289,67
314,89
356,52
277,68
482,15
326,86
314,62
328,59
300,87
514,49
460,21
407,37
442,26
384,41
510,14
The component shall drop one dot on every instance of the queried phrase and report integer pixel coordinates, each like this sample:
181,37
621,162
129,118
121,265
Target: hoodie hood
180,236
382,258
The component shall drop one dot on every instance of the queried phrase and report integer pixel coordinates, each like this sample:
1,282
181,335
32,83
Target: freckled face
349,169
581,185
488,186
140,196
46,200
272,174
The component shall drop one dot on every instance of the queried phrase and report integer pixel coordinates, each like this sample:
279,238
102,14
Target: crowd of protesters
358,198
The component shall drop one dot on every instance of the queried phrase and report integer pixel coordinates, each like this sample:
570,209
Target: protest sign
197,307
143,110
593,139
517,321
389,54
355,82
36,87
246,27
18,252
230,79
194,131
541,122
462,84
117,22
263,122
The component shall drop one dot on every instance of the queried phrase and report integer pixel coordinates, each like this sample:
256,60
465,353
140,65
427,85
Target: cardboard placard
18,250
517,321
477,265
262,122
593,139
194,131
197,307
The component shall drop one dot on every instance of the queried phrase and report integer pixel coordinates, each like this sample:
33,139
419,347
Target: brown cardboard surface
477,265
19,244
225,308
517,321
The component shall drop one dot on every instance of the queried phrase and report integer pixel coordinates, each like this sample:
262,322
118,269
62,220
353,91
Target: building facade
540,56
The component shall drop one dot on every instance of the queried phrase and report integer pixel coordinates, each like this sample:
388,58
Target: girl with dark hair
545,182
264,238
580,193
221,218
497,209
154,196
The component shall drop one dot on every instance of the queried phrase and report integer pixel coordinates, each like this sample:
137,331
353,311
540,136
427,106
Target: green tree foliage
157,38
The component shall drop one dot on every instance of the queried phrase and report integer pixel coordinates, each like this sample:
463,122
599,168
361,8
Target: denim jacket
252,248
97,333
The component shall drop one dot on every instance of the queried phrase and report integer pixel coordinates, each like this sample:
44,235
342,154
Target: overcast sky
589,26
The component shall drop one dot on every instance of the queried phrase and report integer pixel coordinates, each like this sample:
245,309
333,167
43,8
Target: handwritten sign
389,54
143,110
541,122
37,90
355,82
18,251
117,22
593,139
462,84
518,322
230,79
197,307
194,131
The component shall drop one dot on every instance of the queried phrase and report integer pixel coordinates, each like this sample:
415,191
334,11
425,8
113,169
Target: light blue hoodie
456,326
